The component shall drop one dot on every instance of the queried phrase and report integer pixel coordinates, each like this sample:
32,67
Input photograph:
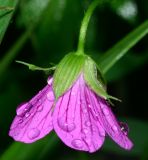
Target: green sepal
94,79
67,73
33,67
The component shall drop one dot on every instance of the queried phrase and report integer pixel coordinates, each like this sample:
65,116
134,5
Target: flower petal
33,120
109,122
73,122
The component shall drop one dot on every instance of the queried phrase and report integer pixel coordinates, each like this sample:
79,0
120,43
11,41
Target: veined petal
33,120
73,122
108,121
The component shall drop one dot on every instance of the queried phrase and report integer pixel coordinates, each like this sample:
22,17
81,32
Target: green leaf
6,10
31,11
120,49
67,72
126,65
56,22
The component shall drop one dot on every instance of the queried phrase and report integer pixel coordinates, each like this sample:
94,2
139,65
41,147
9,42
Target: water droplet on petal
85,130
106,111
39,102
114,128
27,114
102,134
49,80
50,96
20,120
94,128
33,133
79,102
84,110
68,127
16,133
88,123
88,140
40,108
77,143
73,93
124,128
21,109
51,124
89,106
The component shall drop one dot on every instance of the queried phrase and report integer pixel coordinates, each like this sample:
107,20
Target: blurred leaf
52,19
11,54
126,9
126,65
55,35
116,52
144,155
31,11
6,10
21,151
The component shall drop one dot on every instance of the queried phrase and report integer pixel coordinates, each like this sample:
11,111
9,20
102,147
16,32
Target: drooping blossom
80,117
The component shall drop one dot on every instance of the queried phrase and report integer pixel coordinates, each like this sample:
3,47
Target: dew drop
89,105
84,110
16,133
77,143
51,124
94,129
79,102
39,102
33,133
40,108
106,111
124,128
20,120
27,114
102,134
73,93
88,140
68,127
85,130
50,96
21,109
87,123
49,80
114,128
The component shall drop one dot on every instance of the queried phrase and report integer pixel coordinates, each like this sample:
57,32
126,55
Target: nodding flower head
73,104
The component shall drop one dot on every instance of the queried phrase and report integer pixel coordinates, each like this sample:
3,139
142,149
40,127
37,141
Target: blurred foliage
41,32
7,8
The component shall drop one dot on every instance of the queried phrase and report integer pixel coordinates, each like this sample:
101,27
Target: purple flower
80,118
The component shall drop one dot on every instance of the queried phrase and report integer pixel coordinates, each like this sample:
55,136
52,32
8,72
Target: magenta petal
33,120
109,122
73,122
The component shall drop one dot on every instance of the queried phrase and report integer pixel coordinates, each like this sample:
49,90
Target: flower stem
84,26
